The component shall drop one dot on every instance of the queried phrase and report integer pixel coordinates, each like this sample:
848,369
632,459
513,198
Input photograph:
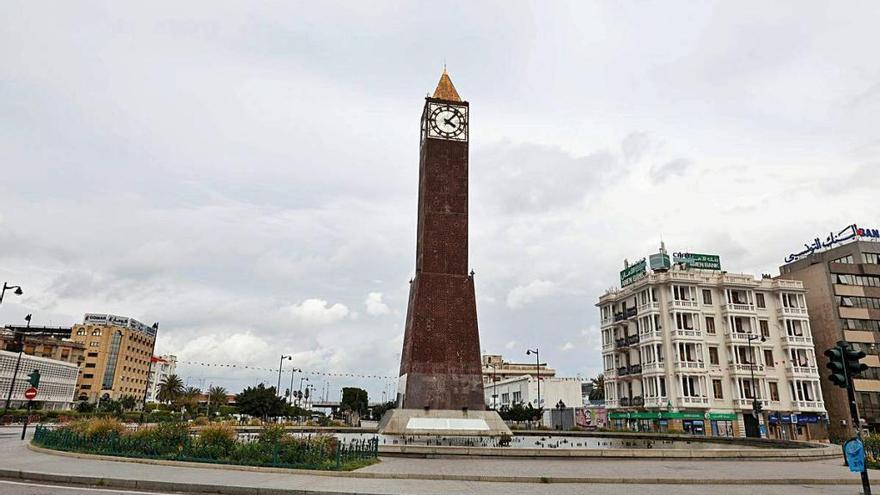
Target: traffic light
757,407
34,378
837,365
853,366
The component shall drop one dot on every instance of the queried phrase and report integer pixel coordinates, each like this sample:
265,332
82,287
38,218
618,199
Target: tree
354,399
518,413
381,409
128,402
170,389
216,398
189,399
598,392
260,402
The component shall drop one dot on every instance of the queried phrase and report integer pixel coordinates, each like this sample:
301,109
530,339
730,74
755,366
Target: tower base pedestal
443,422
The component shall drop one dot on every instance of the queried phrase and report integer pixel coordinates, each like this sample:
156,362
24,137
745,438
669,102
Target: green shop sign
693,260
632,273
721,416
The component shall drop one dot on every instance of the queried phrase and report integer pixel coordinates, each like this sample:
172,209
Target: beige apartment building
687,346
47,342
495,368
117,361
842,278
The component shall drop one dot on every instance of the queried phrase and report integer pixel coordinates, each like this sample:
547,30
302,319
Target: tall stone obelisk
440,371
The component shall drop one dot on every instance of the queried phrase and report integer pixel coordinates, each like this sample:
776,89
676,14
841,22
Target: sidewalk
400,476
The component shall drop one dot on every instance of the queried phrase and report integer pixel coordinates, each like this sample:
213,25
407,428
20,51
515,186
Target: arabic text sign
632,273
849,232
694,260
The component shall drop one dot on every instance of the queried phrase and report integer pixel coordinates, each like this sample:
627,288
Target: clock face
449,122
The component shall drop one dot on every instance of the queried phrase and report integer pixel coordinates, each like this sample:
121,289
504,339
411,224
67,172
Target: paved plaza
434,476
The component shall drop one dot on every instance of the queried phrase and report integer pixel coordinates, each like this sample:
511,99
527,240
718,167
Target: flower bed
217,444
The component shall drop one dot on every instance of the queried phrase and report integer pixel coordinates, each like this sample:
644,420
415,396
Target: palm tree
170,389
216,398
598,392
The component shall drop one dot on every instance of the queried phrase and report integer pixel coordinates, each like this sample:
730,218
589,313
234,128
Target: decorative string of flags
275,370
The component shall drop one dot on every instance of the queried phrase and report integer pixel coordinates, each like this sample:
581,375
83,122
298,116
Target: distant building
57,380
496,368
687,346
524,390
160,368
118,353
842,278
47,342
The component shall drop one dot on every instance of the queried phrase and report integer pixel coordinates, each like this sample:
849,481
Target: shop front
690,422
804,426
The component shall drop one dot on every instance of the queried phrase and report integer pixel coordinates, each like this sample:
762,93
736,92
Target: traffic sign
30,394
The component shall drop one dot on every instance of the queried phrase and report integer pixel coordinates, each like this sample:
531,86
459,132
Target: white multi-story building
524,390
57,380
160,367
694,349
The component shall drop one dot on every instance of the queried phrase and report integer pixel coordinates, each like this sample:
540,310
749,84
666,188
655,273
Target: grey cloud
669,170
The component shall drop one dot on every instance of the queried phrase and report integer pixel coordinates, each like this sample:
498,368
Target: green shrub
98,427
271,433
215,442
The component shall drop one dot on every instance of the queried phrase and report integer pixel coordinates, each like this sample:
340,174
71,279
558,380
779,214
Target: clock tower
440,363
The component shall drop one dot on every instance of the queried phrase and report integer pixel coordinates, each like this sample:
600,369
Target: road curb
225,489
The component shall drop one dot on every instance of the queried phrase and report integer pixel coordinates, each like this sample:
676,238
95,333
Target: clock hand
448,121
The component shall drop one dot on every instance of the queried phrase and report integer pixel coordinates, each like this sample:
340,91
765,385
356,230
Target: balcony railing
802,370
622,371
739,307
649,367
635,369
643,337
693,333
690,365
625,314
783,311
632,339
797,339
655,401
747,403
693,401
624,401
611,403
741,336
809,404
637,401
685,304
649,306
745,367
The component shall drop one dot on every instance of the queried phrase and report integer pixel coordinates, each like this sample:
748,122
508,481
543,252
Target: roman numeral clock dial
447,121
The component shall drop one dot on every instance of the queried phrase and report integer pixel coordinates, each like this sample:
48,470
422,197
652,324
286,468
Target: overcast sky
245,173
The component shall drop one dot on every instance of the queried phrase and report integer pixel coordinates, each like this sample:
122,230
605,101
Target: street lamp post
494,385
281,363
756,407
18,338
293,371
538,377
299,390
6,286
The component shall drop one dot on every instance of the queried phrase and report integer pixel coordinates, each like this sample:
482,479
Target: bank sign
848,233
632,273
694,260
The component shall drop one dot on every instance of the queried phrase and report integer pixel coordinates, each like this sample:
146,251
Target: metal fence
294,453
